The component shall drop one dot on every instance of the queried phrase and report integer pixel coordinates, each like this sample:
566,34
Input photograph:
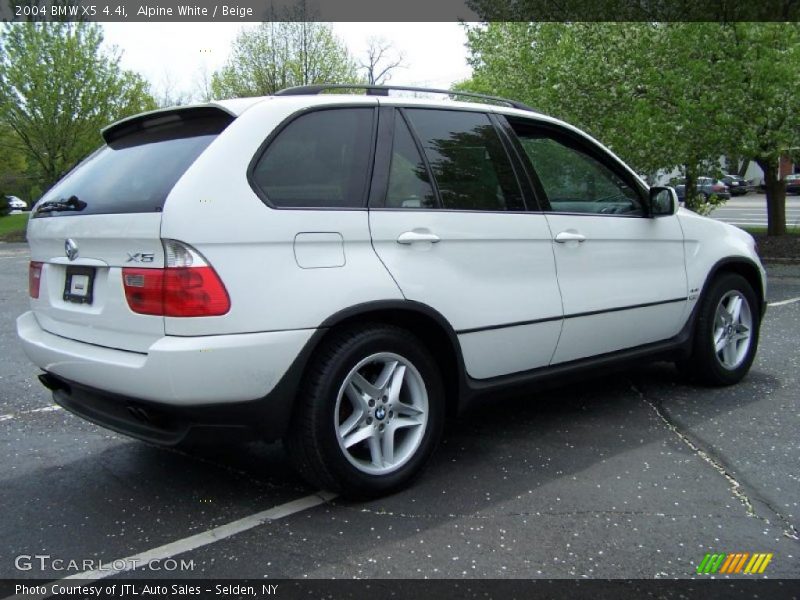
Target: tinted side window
409,181
468,161
320,160
576,182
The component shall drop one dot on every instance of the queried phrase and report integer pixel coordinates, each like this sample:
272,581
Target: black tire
312,443
704,366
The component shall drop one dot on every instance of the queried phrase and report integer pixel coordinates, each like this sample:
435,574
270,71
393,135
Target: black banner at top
398,10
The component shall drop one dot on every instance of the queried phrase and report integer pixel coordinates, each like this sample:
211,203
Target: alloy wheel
733,324
381,413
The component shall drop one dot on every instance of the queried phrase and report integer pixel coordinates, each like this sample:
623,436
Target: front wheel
369,414
726,333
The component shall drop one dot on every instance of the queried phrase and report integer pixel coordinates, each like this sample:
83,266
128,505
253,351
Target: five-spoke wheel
732,324
726,332
381,412
370,411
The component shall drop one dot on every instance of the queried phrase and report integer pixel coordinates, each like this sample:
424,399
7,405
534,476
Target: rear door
106,215
448,220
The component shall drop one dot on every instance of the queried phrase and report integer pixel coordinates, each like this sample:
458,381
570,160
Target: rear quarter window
320,159
135,172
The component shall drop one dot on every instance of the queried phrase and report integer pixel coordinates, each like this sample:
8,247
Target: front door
621,272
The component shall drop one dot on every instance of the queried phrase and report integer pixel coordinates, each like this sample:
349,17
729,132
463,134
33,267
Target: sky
173,54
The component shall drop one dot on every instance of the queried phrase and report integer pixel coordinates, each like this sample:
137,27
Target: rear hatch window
135,171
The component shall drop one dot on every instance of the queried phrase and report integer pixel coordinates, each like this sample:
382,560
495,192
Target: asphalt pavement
750,210
632,475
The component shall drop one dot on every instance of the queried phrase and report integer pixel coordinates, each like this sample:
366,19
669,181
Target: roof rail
383,90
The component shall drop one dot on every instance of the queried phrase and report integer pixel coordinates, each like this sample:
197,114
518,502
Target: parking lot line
116,567
208,537
50,408
782,302
32,411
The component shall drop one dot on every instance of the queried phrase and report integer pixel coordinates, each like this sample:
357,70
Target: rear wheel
726,333
369,414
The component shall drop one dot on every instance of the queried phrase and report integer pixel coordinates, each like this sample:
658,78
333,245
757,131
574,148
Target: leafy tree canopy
661,95
276,55
58,89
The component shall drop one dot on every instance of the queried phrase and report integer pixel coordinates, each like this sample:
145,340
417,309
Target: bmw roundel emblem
71,249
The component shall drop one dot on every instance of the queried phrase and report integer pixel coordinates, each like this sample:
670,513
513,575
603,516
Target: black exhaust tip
52,383
140,414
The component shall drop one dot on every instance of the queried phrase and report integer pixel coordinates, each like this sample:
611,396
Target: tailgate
83,299
106,215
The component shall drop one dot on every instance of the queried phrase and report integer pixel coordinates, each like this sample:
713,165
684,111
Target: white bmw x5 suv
345,271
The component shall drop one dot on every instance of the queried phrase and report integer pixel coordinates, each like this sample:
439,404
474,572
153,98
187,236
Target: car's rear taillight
34,278
186,287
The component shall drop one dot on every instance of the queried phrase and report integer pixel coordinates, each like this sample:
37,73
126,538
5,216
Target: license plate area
79,285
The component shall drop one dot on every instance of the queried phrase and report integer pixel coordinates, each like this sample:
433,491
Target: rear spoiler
157,118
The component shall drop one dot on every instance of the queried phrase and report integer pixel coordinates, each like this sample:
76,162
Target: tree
13,166
202,84
168,94
276,55
609,79
661,95
650,11
58,88
13,176
380,61
586,74
766,59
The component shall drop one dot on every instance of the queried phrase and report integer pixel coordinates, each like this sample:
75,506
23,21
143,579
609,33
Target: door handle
570,236
410,237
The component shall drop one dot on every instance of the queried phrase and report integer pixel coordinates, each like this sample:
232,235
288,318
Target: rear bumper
195,389
164,424
180,371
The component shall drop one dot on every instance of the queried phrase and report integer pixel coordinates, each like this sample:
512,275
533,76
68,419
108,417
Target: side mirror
663,201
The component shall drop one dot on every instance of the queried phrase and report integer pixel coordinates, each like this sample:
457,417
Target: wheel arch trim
747,268
455,379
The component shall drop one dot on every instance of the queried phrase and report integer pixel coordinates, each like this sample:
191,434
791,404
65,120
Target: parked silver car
706,187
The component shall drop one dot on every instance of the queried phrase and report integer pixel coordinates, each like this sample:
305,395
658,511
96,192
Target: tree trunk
690,187
776,197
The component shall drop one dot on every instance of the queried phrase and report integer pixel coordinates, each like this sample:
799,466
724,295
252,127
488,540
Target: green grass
13,226
763,230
